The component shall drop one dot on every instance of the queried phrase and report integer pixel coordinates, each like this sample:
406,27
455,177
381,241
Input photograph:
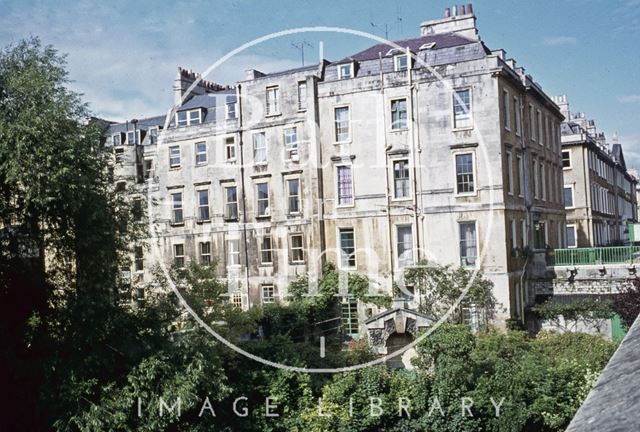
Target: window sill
202,164
269,115
404,129
265,265
177,224
203,221
260,164
296,262
263,217
466,195
174,168
301,110
461,129
401,199
230,161
345,206
342,142
294,215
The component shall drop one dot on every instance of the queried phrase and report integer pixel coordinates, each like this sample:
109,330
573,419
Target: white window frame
335,124
396,62
233,254
474,173
302,95
271,290
177,206
291,143
228,111
407,179
570,159
179,258
514,234
227,203
573,196
262,250
400,124
400,262
199,153
342,75
173,157
267,210
188,121
272,107
230,143
465,121
263,148
291,248
477,245
337,177
205,257
200,207
344,257
290,197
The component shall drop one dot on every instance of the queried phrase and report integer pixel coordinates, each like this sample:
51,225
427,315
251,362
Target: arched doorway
395,342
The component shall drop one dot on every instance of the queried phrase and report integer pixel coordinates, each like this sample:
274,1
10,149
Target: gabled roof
441,40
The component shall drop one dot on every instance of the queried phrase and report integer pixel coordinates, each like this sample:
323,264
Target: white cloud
627,99
559,40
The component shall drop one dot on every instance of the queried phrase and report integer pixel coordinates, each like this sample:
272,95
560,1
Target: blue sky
123,55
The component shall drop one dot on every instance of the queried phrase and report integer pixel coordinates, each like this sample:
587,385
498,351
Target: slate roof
612,404
210,100
294,70
618,156
441,40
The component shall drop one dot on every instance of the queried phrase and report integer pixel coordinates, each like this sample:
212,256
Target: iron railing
597,255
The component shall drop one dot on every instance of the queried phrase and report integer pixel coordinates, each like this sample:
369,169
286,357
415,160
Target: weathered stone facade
420,150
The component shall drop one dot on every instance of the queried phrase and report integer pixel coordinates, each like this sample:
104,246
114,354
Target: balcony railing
595,256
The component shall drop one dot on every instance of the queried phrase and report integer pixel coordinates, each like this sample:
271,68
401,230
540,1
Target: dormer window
400,62
187,118
131,137
117,139
231,110
153,135
345,71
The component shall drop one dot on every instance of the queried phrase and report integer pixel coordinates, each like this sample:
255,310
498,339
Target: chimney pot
454,10
469,8
447,13
462,10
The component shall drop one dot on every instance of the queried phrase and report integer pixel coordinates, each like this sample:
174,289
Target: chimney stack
457,19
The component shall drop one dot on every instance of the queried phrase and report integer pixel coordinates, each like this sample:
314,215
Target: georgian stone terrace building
433,148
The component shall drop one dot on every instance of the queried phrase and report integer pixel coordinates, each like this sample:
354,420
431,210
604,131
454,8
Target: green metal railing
597,255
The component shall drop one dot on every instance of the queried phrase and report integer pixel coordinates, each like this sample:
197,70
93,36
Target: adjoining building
599,192
432,148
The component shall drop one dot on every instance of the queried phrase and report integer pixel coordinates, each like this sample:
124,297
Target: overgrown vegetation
74,358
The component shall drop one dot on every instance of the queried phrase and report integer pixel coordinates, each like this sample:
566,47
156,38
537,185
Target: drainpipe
244,196
386,174
413,154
